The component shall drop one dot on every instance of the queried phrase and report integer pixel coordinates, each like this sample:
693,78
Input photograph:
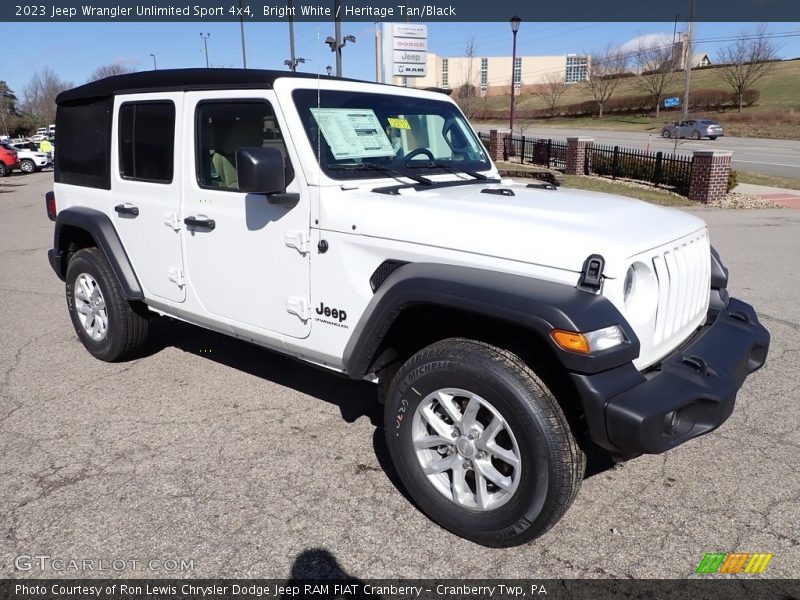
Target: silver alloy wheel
27,166
91,307
466,449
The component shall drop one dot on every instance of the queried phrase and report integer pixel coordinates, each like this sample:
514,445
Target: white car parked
30,160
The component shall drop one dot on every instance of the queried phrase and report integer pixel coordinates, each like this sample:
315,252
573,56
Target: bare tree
109,71
746,60
467,93
39,95
605,68
551,90
655,70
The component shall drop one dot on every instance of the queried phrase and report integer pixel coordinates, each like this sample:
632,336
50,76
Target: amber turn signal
570,340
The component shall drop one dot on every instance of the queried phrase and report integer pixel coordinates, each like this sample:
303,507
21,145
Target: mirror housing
260,170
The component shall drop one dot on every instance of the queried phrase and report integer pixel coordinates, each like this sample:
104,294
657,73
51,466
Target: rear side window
83,152
147,141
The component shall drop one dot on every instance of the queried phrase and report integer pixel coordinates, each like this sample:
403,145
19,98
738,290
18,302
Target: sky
74,50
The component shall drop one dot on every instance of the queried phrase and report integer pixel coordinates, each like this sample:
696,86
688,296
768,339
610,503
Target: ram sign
405,50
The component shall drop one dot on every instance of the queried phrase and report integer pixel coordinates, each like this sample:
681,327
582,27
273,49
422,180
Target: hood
555,228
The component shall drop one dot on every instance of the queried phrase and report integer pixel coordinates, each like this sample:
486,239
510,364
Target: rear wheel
4,171
104,320
481,443
695,135
27,166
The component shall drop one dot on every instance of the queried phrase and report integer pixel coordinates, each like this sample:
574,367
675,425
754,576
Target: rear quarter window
83,152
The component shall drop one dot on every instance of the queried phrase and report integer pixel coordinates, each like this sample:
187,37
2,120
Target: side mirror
260,170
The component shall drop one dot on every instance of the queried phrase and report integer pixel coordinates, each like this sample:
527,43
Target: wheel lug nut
467,464
474,434
456,432
481,454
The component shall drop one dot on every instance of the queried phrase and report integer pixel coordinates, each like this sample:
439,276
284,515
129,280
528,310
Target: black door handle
126,210
208,224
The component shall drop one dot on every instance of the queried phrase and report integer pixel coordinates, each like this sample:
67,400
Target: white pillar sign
405,50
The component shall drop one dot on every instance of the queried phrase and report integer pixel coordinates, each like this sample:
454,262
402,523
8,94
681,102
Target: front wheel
4,170
27,166
104,320
481,444
666,134
696,135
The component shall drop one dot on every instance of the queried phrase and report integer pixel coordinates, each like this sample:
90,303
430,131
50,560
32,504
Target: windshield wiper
440,165
382,169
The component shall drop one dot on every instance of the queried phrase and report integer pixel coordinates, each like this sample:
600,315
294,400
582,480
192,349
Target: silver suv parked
694,129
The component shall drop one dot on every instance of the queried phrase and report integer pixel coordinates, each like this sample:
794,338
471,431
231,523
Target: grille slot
683,271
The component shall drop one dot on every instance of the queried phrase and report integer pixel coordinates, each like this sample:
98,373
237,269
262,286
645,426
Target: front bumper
690,393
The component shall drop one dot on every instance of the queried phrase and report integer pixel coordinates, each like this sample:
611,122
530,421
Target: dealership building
492,75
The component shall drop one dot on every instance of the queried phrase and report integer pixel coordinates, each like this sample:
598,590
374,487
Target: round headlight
640,292
630,282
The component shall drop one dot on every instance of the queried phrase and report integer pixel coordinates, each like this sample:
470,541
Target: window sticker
352,132
399,123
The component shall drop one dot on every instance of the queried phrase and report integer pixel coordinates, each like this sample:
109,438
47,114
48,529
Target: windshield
387,131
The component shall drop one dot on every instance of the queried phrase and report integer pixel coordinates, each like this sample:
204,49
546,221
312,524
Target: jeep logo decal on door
336,314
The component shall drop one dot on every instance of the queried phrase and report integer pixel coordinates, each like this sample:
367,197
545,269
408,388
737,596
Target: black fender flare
105,236
535,305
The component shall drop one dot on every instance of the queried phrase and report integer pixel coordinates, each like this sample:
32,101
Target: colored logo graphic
734,562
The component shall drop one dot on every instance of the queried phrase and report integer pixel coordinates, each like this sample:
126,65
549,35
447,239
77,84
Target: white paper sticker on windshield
353,132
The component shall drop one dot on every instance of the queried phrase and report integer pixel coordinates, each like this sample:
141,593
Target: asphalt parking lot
248,464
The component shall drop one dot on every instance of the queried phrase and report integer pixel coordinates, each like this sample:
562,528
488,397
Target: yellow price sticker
399,123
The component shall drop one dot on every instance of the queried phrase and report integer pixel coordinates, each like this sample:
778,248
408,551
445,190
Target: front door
247,258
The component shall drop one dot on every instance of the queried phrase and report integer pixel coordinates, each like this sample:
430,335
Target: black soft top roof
180,80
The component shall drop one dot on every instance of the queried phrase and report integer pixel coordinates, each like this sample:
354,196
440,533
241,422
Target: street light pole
338,36
515,21
205,45
687,63
241,29
154,61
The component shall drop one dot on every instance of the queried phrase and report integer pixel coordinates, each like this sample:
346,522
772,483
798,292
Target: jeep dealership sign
405,50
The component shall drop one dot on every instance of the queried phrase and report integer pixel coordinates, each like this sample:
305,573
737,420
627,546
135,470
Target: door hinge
171,220
297,239
298,306
176,276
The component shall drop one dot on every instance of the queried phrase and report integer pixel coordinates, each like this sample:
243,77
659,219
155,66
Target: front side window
223,127
147,141
355,132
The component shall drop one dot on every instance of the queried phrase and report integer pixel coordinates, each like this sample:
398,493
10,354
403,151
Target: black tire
126,331
666,134
552,464
695,135
712,137
27,166
4,170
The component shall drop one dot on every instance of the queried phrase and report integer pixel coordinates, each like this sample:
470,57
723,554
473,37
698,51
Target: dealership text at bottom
200,591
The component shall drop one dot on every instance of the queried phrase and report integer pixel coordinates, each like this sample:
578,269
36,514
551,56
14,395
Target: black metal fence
658,168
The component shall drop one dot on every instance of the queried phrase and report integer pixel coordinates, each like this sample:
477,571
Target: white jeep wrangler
362,228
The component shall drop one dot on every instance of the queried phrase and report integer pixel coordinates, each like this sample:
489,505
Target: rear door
146,189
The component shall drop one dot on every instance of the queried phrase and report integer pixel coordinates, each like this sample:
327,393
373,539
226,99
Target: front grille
684,271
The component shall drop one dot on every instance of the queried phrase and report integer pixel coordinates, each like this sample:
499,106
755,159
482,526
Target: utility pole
687,62
293,61
205,45
338,36
378,53
336,44
241,30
